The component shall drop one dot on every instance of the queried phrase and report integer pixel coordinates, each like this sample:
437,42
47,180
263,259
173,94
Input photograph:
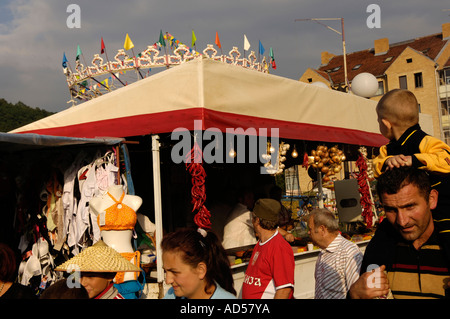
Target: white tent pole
158,210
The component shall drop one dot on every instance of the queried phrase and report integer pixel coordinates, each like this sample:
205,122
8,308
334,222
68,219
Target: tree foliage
16,115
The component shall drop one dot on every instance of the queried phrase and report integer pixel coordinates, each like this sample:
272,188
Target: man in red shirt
270,272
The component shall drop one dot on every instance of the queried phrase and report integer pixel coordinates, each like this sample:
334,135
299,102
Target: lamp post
342,33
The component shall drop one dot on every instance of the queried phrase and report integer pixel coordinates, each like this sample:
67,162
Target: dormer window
388,59
356,67
336,69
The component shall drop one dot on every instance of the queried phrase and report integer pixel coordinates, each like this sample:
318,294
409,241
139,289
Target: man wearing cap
98,266
270,272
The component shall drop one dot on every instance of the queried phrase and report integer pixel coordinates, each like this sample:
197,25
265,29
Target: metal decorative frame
147,59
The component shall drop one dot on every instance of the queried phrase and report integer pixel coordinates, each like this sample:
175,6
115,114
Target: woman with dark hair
196,266
9,289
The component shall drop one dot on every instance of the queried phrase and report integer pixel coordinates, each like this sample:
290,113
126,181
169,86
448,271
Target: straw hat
98,258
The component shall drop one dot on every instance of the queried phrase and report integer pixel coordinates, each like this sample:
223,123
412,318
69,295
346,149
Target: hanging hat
98,258
268,209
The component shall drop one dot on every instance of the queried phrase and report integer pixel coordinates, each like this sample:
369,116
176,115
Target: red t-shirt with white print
271,267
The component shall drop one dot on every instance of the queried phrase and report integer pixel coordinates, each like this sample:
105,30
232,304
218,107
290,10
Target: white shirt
238,230
337,268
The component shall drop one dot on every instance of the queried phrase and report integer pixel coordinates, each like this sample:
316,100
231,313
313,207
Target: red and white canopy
222,96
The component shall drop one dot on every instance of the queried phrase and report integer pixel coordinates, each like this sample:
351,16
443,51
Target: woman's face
186,281
94,284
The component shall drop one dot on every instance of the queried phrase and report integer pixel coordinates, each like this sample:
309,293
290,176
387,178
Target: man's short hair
395,179
322,216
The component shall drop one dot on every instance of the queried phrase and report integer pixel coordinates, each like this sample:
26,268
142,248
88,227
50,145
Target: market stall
204,95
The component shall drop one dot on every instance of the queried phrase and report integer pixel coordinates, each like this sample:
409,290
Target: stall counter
305,263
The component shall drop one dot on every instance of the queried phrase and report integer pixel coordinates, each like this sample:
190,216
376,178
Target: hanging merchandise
364,187
198,191
277,167
327,160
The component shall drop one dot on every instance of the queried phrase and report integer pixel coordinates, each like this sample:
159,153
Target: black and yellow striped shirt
412,274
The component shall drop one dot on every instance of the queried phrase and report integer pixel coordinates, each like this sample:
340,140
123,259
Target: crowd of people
408,256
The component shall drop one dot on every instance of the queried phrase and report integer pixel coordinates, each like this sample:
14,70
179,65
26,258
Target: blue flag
64,61
261,48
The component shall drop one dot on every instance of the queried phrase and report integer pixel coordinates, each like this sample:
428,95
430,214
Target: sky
34,33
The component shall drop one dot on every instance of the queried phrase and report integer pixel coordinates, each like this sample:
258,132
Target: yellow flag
128,44
194,38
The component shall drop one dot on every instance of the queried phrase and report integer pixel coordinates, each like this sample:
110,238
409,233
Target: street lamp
338,32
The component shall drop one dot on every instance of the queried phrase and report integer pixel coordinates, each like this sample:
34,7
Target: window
388,59
356,67
380,90
418,80
403,82
409,60
310,80
335,69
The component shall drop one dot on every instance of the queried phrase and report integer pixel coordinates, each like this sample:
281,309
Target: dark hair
268,224
8,263
60,290
395,179
196,249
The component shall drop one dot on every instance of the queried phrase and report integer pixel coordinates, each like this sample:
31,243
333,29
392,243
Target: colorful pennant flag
194,38
161,41
79,53
64,61
272,59
246,43
261,48
102,48
128,44
218,40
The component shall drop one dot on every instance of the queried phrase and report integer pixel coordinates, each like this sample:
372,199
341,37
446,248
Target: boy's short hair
399,107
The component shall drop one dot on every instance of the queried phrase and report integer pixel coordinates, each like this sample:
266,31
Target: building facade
421,65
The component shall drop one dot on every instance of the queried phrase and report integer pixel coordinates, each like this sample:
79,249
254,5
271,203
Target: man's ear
433,199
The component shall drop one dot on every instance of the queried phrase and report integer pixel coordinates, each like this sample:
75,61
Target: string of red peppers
364,190
198,191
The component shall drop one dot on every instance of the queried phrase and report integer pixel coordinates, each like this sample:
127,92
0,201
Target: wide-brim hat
98,258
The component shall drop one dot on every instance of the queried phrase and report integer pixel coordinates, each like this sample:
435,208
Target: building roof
429,45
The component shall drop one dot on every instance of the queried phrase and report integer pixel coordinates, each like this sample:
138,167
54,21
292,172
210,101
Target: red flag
274,65
218,40
102,49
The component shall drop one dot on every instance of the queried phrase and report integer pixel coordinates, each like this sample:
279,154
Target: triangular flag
128,44
261,48
161,41
64,61
102,48
79,53
246,43
218,40
194,38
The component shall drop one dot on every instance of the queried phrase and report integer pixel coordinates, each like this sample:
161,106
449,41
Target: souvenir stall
208,94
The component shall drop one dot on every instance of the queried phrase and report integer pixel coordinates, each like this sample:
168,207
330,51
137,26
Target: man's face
409,212
316,233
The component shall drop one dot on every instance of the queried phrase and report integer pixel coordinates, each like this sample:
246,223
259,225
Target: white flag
246,43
